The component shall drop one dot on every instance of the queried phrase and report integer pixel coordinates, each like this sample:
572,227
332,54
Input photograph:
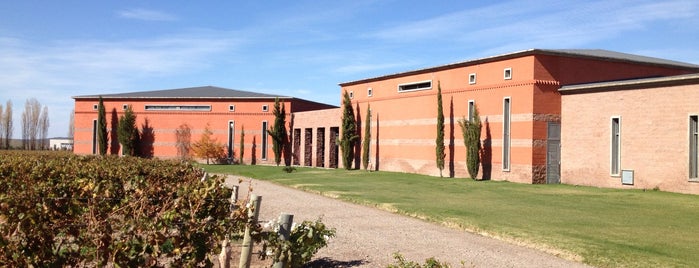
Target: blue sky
53,50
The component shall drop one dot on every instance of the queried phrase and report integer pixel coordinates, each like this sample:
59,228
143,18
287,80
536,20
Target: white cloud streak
146,14
522,24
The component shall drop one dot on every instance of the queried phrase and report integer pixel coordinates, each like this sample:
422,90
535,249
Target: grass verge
600,227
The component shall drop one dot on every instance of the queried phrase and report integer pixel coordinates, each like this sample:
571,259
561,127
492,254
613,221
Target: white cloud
146,14
517,25
55,71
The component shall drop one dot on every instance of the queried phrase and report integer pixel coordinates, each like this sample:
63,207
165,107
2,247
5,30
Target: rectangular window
369,92
231,136
423,85
615,146
231,108
265,108
94,107
507,73
264,140
351,94
693,147
94,136
471,110
506,117
178,108
472,78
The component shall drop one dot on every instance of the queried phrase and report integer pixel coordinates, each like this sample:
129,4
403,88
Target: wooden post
285,223
253,213
234,198
224,259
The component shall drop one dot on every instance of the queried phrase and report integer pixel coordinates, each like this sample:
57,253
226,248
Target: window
471,110
178,108
94,136
472,78
616,146
231,108
125,107
264,140
231,135
507,74
423,85
693,147
94,107
265,108
506,117
351,94
369,92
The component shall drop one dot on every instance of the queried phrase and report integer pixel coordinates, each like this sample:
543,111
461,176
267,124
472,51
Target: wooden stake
253,213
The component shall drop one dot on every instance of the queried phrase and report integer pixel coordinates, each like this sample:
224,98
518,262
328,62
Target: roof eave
631,84
512,55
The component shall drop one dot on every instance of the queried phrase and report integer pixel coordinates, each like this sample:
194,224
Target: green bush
304,242
59,209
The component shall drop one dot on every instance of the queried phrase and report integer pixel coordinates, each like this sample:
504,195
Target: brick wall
654,137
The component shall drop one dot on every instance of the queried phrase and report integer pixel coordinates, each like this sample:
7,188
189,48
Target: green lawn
601,227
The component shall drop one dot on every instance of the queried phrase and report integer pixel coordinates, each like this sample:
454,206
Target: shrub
304,241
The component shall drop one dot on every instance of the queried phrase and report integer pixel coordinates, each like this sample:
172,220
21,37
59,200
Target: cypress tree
278,131
440,131
242,144
128,133
367,139
101,128
471,131
349,132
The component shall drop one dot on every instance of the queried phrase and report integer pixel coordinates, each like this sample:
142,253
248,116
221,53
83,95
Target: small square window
369,92
507,74
125,107
94,107
351,94
265,108
231,108
472,78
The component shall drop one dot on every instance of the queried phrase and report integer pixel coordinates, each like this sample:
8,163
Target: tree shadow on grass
328,262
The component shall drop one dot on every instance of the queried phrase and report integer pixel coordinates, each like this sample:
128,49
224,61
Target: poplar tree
367,139
7,124
278,131
102,127
440,131
349,132
471,131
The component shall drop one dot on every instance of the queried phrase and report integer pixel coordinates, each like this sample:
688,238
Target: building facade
226,112
516,96
639,134
586,117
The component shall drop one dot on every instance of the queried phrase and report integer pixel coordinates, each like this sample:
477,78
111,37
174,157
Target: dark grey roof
600,54
632,83
205,92
613,55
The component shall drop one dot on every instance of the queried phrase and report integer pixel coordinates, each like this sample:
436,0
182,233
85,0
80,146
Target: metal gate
553,153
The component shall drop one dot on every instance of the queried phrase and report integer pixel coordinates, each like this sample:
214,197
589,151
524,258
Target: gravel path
368,237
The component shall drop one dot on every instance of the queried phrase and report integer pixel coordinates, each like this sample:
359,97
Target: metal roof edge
631,83
533,51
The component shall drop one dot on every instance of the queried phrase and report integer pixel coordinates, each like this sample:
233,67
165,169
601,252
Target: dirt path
368,237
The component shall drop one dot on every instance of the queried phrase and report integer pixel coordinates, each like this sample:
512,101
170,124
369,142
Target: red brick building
225,111
517,98
548,117
640,133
